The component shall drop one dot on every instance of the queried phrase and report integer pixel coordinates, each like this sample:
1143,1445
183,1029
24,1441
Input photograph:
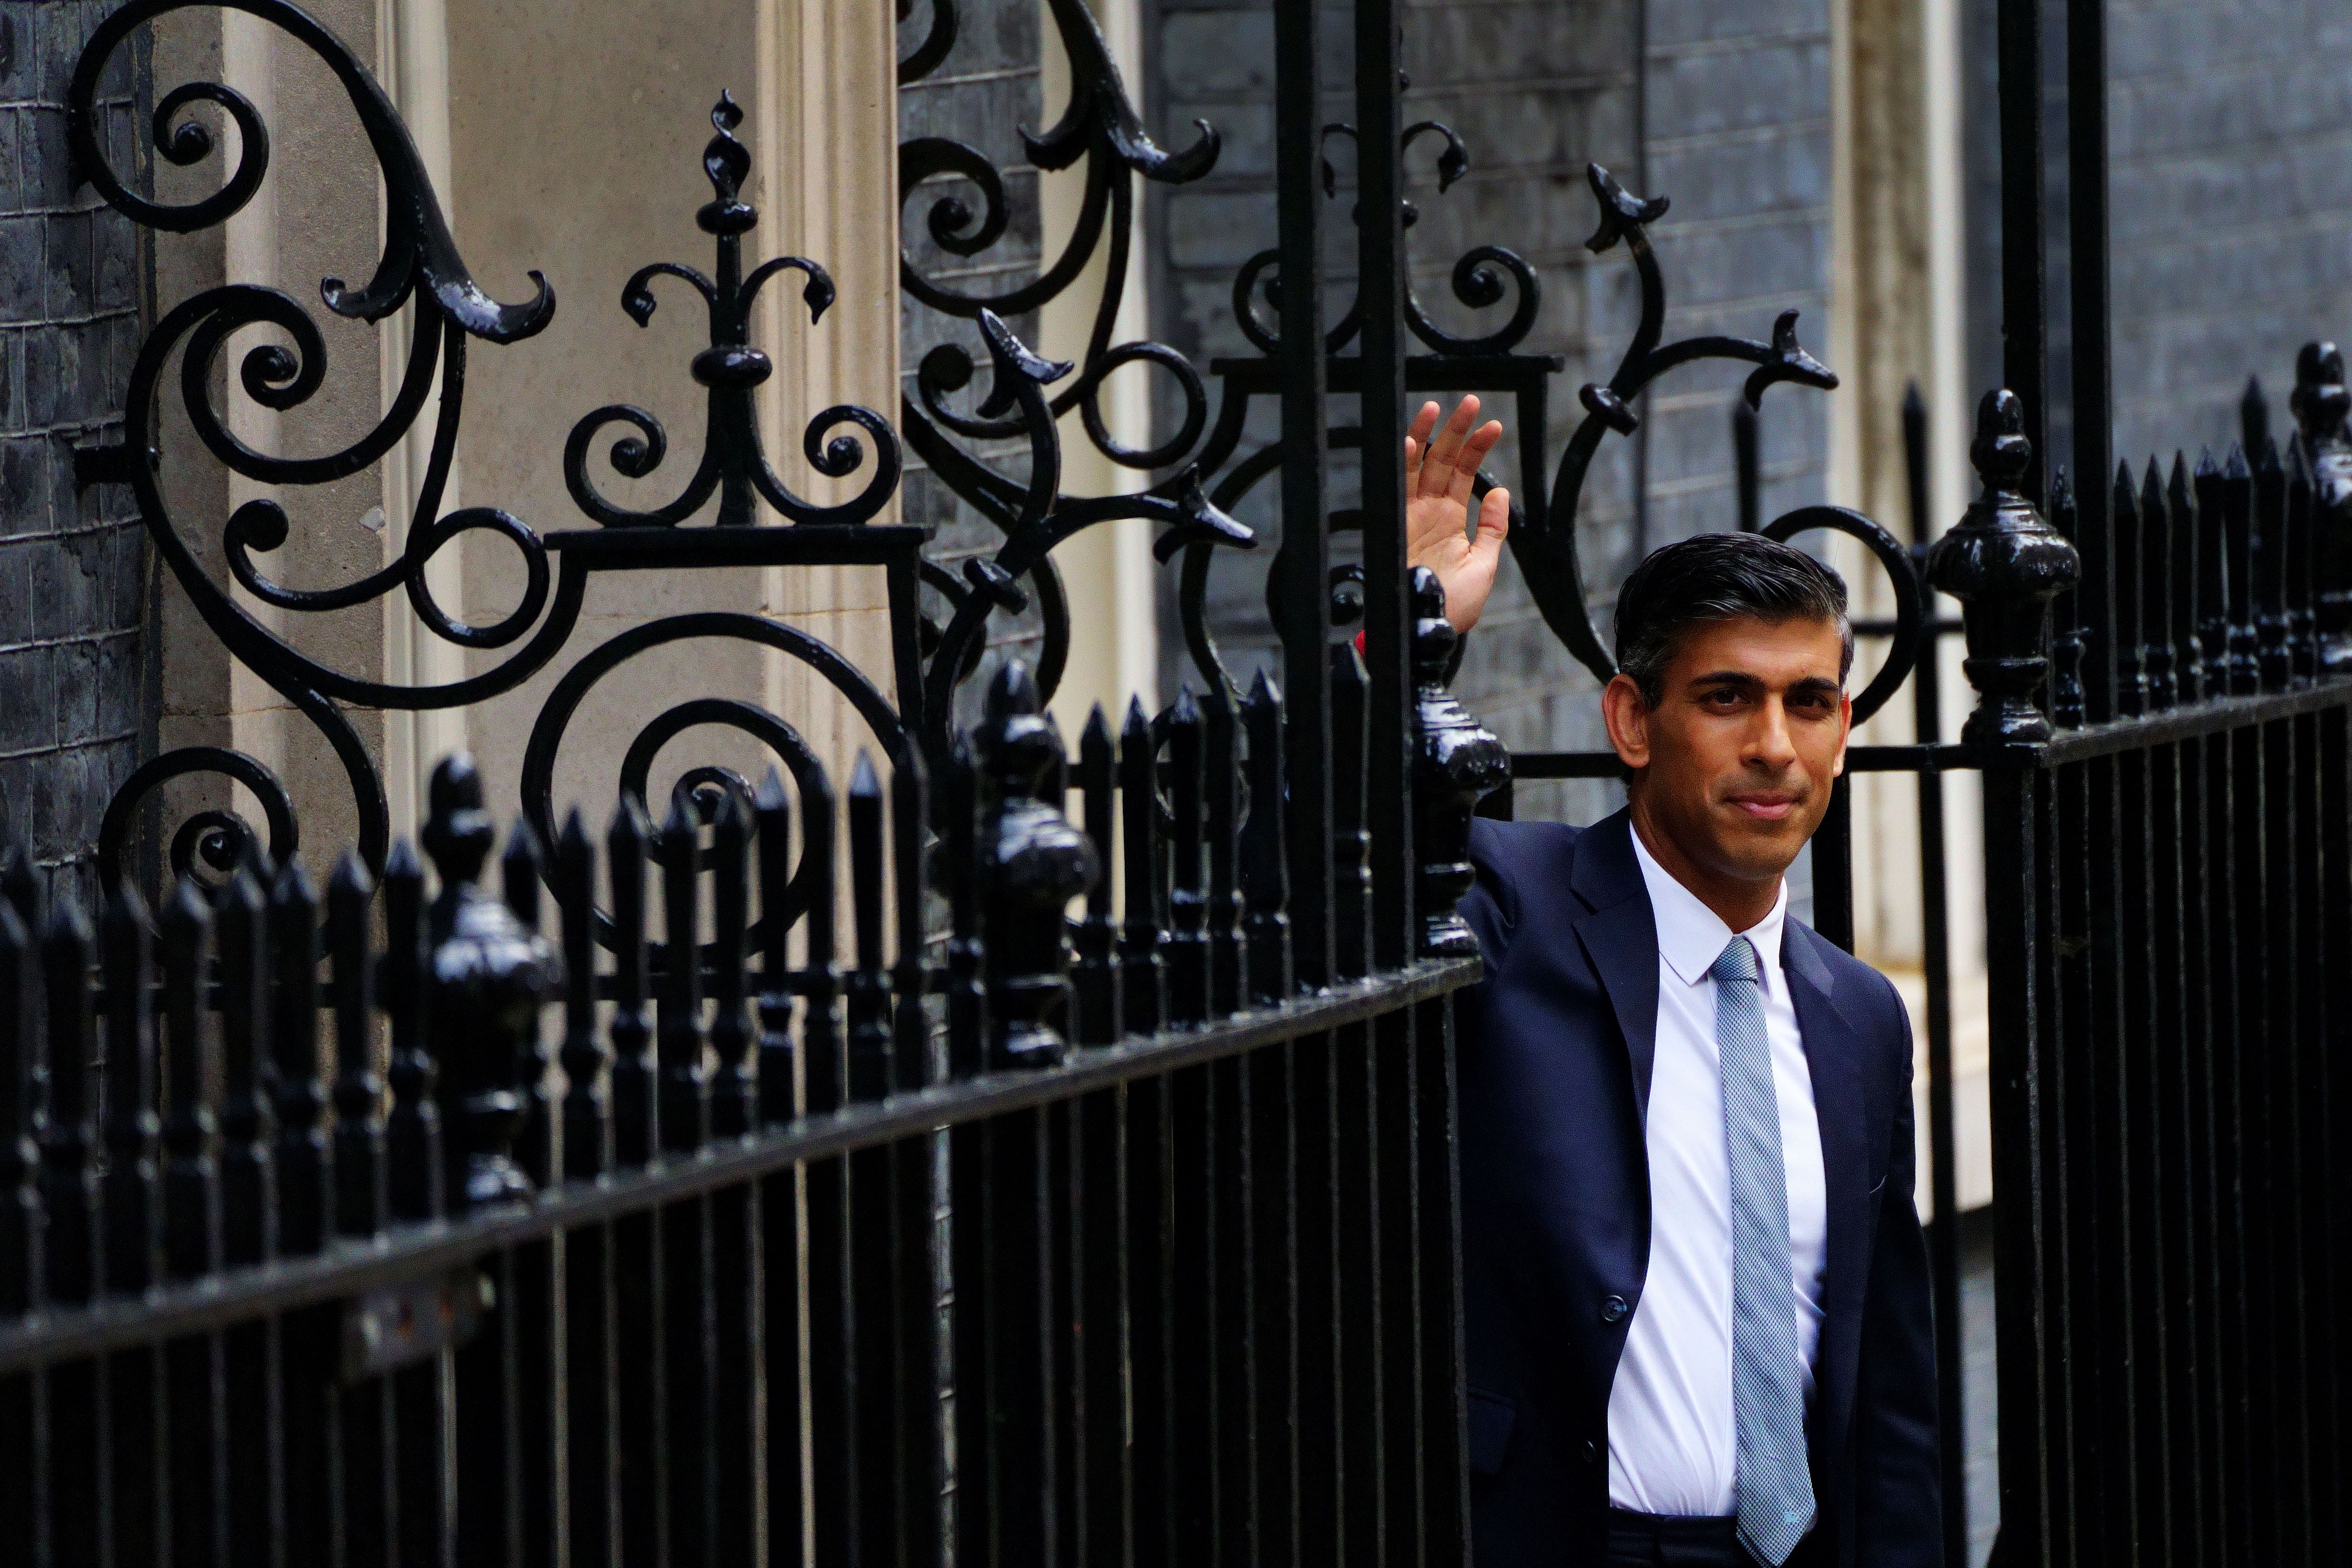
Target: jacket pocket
1491,1417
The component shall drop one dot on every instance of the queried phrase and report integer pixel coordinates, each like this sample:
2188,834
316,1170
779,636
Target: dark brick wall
76,709
2230,152
1724,108
982,95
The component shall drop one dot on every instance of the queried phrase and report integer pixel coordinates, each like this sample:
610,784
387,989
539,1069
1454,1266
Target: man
1697,1292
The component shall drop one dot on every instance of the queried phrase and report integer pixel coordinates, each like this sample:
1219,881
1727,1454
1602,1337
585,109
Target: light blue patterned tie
1767,1392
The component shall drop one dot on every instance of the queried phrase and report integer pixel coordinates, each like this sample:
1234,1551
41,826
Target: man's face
1736,761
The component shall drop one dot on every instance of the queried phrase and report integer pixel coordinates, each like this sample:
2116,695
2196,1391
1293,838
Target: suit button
1591,1452
1614,1309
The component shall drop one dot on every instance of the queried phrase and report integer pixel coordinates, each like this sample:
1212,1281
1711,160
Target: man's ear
1845,731
1628,718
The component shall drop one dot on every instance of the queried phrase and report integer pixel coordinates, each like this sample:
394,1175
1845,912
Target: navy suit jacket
1557,1043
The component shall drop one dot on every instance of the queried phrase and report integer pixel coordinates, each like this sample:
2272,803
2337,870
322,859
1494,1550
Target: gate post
2004,562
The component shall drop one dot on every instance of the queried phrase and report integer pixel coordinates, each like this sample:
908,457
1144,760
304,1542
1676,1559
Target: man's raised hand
1438,473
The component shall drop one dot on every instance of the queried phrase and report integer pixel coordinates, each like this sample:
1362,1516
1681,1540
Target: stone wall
75,698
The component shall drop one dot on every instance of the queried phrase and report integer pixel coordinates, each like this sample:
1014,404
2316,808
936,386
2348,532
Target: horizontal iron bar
1944,626
1423,372
800,543
420,1252
2187,723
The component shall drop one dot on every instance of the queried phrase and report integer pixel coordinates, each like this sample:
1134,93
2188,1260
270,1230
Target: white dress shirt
1672,1445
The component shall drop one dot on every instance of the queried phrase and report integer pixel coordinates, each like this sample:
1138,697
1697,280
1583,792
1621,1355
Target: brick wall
1724,108
2230,152
76,711
2230,155
986,90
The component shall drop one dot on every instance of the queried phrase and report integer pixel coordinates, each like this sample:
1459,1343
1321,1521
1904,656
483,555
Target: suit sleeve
1897,1480
1491,907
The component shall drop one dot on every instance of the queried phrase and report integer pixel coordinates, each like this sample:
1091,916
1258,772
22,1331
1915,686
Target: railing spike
2131,651
2302,640
521,871
2187,639
2267,541
192,1219
1265,863
685,1082
869,985
416,1163
361,1199
1352,842
2213,591
2070,642
134,1212
305,1196
824,1070
1228,953
70,1189
2154,591
967,998
910,818
2254,416
735,1088
585,1058
2237,521
248,1116
778,1064
1187,948
1094,1005
636,1101
1141,969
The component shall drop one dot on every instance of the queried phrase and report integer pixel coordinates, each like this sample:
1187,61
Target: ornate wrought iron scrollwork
1036,516
734,463
1545,545
1101,128
419,263
420,266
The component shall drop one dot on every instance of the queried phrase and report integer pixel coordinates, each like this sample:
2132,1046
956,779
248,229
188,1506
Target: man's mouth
1764,808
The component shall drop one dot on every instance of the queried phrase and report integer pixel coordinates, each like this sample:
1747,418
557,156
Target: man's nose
1770,743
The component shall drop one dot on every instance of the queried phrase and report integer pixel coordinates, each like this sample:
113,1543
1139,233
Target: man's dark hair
1719,577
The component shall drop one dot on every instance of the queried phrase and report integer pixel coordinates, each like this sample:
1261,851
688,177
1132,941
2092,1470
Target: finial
726,161
2004,562
1457,761
2000,451
487,975
458,832
1032,864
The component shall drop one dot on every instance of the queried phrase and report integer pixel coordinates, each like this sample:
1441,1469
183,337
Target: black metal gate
1130,1239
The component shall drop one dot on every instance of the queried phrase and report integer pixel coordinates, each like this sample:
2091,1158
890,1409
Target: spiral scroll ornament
419,263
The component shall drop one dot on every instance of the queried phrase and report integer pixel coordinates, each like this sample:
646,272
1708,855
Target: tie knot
1736,962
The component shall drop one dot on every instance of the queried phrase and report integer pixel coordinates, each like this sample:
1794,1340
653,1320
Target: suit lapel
1620,936
1833,1054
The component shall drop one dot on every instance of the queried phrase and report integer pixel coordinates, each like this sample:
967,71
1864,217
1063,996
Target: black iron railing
268,1297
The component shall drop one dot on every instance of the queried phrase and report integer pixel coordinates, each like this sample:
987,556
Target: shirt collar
1691,937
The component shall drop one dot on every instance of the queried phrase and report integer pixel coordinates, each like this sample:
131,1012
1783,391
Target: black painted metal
1153,1257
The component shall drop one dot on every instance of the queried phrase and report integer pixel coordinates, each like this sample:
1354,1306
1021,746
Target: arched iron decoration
420,265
